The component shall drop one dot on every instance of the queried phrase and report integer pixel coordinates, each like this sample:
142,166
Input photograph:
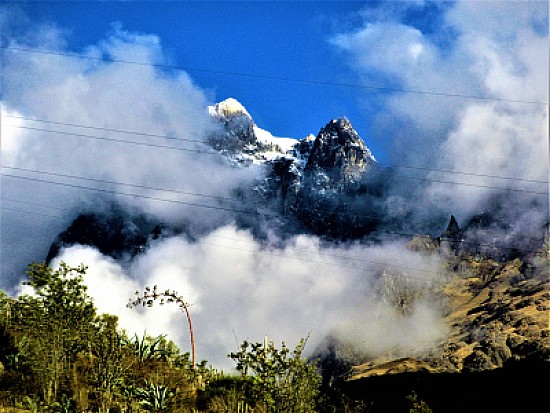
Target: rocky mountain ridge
496,355
497,300
304,182
330,185
313,181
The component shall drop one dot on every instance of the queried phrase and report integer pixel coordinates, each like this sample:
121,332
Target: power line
112,192
138,133
292,257
473,185
102,138
18,201
167,147
98,128
3,207
176,191
448,171
396,235
489,245
105,181
274,78
388,266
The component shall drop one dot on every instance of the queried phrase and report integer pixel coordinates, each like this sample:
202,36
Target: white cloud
496,51
239,289
103,94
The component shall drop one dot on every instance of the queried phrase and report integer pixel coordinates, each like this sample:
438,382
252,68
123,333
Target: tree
281,380
112,359
53,325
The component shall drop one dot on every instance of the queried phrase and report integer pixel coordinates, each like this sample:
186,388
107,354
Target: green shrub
282,380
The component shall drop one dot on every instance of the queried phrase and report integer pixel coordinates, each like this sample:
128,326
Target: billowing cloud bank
494,52
240,290
168,170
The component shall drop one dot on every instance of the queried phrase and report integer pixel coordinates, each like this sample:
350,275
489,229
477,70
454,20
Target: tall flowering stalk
149,296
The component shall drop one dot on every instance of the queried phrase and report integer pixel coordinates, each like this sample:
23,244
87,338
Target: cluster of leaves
418,405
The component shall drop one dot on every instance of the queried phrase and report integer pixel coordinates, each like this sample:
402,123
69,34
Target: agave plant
65,405
147,348
154,397
32,404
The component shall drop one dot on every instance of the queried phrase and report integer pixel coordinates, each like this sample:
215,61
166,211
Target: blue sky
296,40
495,49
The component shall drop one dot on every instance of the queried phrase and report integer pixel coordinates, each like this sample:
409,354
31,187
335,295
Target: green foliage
148,348
58,355
33,405
282,379
53,326
155,398
65,405
110,363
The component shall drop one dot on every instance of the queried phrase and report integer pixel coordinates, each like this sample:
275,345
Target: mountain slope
495,355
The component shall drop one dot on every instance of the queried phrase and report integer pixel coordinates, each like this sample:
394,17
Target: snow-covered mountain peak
241,139
228,108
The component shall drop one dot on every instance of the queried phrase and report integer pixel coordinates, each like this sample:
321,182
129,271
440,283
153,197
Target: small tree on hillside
282,380
53,325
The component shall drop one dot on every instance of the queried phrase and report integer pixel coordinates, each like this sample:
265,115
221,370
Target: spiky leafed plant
154,397
146,348
150,295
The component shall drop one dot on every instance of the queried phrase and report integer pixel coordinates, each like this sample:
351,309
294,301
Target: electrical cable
146,144
274,78
138,133
488,245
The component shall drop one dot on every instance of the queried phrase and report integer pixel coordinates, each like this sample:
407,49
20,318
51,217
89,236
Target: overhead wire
294,256
112,192
161,199
103,138
201,141
208,152
387,266
268,77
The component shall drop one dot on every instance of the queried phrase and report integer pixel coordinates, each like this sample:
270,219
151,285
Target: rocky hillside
499,320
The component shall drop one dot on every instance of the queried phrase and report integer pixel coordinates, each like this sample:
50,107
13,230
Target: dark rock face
516,387
487,235
453,236
334,197
453,230
284,182
113,233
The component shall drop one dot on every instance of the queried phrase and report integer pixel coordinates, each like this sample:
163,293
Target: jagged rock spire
340,152
453,229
